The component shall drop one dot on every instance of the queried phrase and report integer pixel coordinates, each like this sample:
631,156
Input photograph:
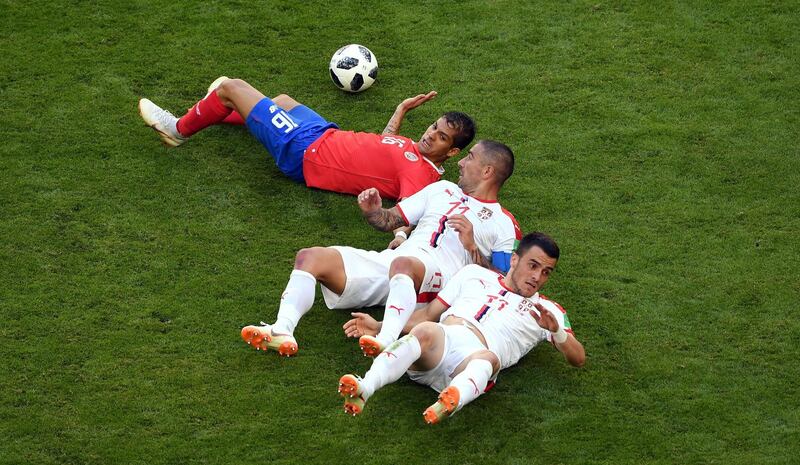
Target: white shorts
367,283
459,343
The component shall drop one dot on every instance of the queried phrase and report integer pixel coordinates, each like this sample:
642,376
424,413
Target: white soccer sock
296,301
400,304
472,381
390,365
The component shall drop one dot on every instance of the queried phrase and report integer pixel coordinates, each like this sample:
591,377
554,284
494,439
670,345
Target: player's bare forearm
573,351
384,219
393,126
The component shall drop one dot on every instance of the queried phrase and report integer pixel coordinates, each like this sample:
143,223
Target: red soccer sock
234,118
203,114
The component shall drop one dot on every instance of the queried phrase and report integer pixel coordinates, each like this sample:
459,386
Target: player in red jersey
309,149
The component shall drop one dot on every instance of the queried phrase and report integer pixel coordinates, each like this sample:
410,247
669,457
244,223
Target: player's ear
453,152
488,171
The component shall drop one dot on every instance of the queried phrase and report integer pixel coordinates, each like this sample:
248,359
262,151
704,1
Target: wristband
560,336
401,234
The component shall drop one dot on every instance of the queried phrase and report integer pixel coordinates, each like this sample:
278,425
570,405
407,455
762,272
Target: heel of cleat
370,346
288,349
354,405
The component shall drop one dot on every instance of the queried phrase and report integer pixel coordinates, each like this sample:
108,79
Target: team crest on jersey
411,156
273,108
485,213
525,306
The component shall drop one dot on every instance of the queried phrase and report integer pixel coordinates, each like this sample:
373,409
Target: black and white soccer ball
354,68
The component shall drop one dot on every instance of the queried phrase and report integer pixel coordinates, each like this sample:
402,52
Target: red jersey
350,162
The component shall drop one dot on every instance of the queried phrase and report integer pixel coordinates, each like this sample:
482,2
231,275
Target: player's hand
463,227
396,242
414,102
362,324
369,200
544,318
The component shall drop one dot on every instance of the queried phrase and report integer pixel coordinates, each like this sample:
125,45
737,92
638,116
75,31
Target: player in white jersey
486,322
455,225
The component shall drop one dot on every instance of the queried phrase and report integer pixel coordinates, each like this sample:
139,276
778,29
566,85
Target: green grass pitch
657,141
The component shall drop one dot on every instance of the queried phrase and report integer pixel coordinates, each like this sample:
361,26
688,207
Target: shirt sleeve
452,289
410,182
507,241
413,207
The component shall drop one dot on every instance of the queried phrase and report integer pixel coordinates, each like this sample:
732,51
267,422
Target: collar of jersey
501,280
481,200
439,169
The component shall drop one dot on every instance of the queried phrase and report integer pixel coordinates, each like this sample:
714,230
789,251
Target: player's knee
230,87
402,265
425,332
491,358
309,260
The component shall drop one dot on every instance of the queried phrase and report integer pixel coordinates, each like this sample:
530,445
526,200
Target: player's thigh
431,338
325,264
367,279
240,94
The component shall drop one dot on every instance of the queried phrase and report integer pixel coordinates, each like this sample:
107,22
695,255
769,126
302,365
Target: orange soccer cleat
261,338
370,345
444,406
350,389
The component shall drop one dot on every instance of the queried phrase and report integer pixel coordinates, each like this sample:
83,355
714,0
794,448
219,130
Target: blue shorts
286,135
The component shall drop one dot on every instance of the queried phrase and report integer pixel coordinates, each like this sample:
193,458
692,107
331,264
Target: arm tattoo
393,126
385,220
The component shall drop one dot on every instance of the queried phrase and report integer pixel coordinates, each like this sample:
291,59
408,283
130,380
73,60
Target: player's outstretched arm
380,218
361,324
566,343
393,126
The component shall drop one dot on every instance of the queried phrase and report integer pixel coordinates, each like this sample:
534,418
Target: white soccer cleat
162,122
216,84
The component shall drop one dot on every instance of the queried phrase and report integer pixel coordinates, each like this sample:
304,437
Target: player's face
530,271
470,169
437,140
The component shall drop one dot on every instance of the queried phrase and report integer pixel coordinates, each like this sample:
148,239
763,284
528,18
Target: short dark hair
500,156
545,242
463,124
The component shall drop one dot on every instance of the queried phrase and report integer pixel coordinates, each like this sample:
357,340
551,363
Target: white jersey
504,318
495,230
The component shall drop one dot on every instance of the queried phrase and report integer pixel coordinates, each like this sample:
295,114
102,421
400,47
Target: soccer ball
353,68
